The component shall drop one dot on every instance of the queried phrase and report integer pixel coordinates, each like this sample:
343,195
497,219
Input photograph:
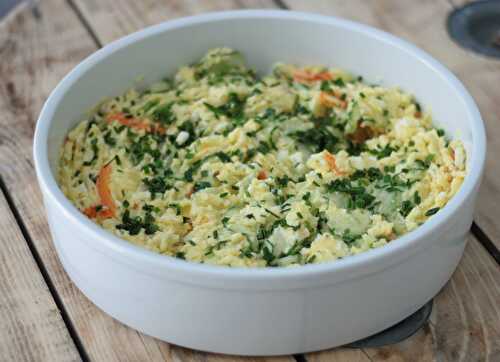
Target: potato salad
221,166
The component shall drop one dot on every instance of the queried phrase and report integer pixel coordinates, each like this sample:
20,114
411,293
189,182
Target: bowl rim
113,245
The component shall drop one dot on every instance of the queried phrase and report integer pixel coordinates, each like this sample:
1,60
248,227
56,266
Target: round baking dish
274,310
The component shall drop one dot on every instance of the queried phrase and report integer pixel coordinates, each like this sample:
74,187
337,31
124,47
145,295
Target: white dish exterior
259,311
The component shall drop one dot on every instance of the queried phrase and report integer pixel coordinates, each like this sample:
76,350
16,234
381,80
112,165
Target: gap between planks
86,25
33,326
43,271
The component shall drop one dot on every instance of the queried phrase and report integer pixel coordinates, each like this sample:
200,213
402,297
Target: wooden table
44,317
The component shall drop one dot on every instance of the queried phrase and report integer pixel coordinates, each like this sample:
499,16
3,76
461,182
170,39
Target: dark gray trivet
397,333
476,26
7,5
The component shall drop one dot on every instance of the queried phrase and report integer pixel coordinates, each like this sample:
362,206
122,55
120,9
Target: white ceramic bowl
259,311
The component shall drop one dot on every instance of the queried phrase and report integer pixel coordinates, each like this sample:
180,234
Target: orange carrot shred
305,76
90,212
129,122
332,164
332,100
262,175
104,192
106,214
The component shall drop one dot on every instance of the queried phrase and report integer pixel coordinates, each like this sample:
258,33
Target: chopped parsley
406,208
109,139
339,82
144,145
134,225
156,185
149,105
432,211
232,109
318,138
164,114
358,196
348,237
383,152
95,151
425,163
200,185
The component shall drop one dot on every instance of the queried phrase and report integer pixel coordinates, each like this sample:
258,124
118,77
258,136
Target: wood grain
423,22
111,19
31,328
37,49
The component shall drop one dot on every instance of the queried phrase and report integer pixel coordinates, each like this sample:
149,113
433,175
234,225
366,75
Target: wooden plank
31,327
37,49
184,354
424,24
111,20
466,321
339,355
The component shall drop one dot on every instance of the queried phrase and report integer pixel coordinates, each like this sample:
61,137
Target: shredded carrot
418,114
105,197
306,76
332,164
160,129
90,212
106,214
135,123
104,192
332,100
262,175
129,122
